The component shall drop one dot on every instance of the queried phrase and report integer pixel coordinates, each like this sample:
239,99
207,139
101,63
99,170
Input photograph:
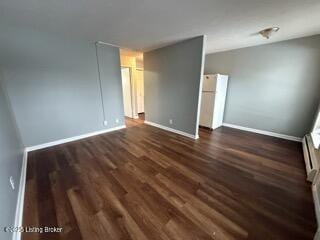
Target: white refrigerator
213,98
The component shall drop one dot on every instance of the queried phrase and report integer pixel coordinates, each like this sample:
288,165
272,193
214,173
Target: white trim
66,140
316,123
171,130
273,134
110,44
201,82
20,201
22,185
100,84
315,136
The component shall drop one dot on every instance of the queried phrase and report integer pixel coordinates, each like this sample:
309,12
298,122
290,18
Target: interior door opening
127,91
132,71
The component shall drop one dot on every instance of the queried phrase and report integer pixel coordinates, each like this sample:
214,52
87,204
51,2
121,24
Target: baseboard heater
311,158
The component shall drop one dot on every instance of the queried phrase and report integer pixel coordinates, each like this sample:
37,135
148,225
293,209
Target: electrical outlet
170,121
12,182
105,122
117,120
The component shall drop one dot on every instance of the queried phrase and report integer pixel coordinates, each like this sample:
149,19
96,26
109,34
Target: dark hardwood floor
145,183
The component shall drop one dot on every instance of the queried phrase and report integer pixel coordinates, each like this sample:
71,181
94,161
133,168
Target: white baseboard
20,200
66,140
273,134
22,185
172,130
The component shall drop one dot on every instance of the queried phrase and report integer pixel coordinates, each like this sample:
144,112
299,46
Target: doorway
127,91
132,83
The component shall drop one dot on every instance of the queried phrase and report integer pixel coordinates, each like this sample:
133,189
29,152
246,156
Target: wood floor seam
144,183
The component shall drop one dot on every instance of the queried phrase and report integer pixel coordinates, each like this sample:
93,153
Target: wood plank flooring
145,183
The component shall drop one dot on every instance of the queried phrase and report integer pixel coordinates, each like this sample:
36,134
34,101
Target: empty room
160,120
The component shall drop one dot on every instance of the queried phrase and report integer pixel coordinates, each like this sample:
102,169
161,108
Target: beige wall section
139,62
129,59
140,90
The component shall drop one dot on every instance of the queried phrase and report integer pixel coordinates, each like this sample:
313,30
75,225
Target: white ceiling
147,24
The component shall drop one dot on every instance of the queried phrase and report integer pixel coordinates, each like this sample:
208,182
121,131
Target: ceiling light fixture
269,31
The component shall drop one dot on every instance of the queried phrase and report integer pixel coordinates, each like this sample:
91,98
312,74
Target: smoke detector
269,31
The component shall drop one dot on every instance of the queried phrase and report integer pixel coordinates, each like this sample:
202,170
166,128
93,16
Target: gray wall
272,87
53,86
11,152
110,74
172,81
